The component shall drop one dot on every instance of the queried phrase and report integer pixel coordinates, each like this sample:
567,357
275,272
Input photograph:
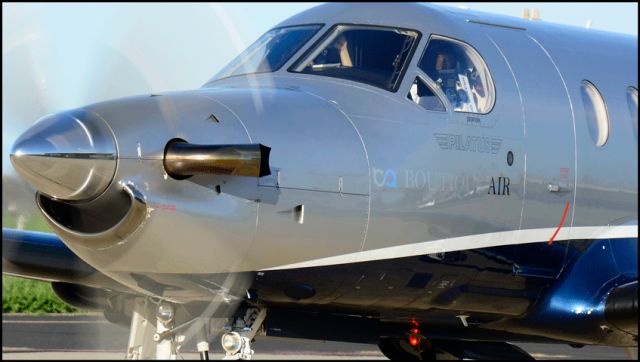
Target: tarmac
90,336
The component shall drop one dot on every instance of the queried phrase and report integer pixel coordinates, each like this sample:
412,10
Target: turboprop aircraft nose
69,155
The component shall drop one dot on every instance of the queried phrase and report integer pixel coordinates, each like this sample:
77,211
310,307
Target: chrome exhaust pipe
183,160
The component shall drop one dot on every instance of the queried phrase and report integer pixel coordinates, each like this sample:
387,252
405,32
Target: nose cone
69,155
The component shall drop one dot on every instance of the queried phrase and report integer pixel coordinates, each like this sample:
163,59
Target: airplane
435,181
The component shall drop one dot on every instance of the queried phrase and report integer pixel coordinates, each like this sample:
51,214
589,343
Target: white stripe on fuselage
472,242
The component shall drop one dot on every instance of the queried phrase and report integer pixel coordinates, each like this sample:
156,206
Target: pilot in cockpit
460,82
447,76
335,55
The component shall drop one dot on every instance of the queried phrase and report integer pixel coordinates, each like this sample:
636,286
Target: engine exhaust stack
183,160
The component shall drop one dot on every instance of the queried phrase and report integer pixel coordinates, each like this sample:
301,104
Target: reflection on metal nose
69,155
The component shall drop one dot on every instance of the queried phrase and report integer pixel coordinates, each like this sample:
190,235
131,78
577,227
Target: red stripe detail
168,207
564,216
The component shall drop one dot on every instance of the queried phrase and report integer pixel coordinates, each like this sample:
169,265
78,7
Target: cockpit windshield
270,51
368,54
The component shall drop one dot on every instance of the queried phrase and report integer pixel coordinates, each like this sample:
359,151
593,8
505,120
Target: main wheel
400,349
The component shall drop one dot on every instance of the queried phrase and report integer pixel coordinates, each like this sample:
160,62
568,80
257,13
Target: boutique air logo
385,178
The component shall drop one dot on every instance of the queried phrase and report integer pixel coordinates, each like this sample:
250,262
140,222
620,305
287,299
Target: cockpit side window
270,51
374,55
461,74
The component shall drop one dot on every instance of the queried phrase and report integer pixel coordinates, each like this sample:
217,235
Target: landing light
165,312
231,342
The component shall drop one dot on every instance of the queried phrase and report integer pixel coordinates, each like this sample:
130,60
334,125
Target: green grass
21,295
34,223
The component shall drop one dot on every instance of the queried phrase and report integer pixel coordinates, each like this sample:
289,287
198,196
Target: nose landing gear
154,333
237,341
151,331
159,328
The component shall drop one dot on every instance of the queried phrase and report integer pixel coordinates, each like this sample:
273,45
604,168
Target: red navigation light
414,341
414,322
414,331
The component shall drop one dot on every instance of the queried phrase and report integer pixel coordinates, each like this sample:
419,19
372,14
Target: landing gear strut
151,333
154,333
159,328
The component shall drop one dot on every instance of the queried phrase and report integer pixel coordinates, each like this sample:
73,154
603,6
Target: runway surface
92,337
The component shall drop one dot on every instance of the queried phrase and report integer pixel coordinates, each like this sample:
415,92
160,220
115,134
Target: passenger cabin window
270,51
373,55
421,94
632,102
461,74
595,112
